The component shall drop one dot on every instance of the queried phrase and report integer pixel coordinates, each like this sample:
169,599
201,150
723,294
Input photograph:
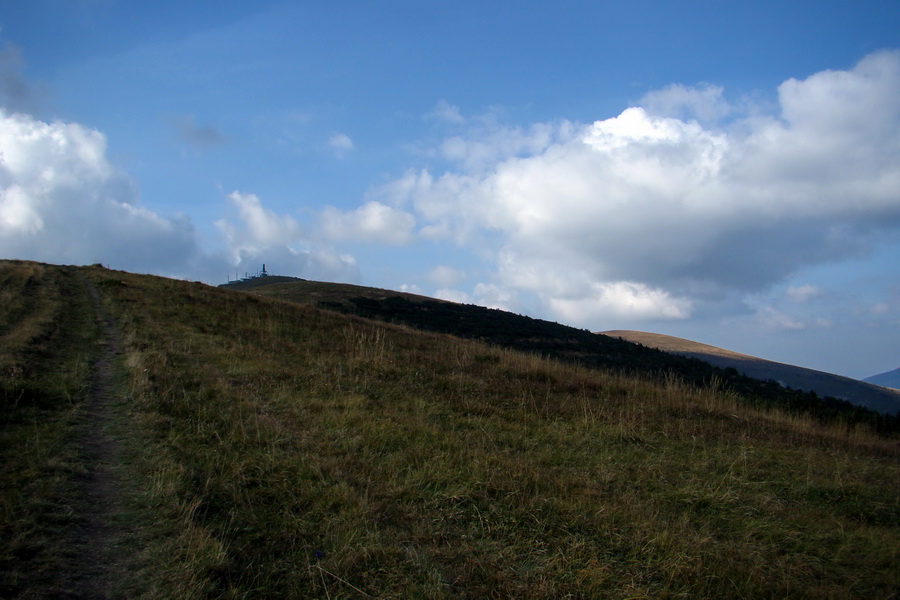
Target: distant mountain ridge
824,384
891,379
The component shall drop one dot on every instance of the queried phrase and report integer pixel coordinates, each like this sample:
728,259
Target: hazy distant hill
890,379
825,384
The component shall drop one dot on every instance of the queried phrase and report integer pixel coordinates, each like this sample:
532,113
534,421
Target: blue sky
722,171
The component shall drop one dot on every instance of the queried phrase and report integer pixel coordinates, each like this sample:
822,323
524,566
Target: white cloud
772,319
445,111
802,293
341,144
258,235
371,222
308,262
452,295
62,201
483,294
258,226
491,143
881,308
620,300
651,215
411,288
704,103
494,296
446,276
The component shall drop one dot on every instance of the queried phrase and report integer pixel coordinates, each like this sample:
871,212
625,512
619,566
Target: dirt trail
97,548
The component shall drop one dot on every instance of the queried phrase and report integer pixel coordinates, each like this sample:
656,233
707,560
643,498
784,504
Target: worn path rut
97,549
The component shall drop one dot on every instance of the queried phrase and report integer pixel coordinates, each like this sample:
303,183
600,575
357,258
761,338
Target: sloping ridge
253,282
526,334
824,384
305,291
891,379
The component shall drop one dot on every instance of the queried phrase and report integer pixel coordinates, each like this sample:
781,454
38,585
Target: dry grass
46,337
288,452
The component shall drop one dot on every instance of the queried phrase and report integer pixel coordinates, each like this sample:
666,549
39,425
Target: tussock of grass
289,452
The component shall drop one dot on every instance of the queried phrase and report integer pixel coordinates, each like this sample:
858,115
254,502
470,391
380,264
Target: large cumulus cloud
682,200
373,222
62,201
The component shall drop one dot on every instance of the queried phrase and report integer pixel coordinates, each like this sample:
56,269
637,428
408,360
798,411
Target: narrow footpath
97,551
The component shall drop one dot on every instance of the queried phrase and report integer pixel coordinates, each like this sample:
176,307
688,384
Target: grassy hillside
561,342
263,449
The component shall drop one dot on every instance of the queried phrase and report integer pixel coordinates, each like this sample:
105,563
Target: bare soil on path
97,549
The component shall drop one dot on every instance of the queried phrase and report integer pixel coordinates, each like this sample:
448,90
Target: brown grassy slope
49,481
825,384
289,452
309,454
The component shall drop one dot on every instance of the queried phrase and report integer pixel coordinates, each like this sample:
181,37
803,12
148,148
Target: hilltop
167,439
